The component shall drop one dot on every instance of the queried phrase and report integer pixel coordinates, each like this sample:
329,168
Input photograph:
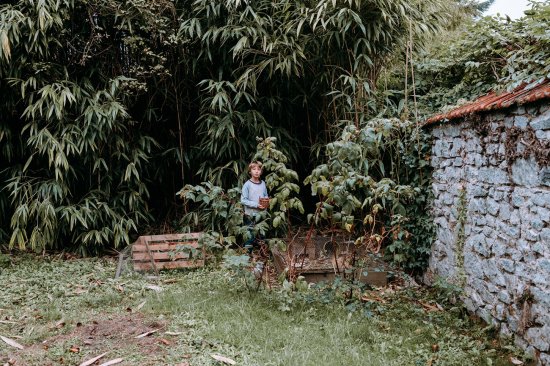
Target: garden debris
168,251
112,362
91,361
515,361
223,359
173,333
140,305
154,288
11,342
430,307
147,333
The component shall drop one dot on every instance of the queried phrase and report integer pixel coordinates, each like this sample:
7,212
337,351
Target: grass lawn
65,312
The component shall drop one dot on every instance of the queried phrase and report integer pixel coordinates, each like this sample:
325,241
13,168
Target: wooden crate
169,251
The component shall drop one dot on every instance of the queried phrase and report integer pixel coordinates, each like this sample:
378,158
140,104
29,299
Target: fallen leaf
165,341
183,364
7,322
170,280
74,349
147,333
430,307
112,362
11,342
515,361
223,359
92,360
140,305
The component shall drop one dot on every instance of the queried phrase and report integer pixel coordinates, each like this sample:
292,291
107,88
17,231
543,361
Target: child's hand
261,207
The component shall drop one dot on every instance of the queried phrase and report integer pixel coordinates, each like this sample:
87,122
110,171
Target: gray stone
541,199
508,122
512,231
492,207
542,135
541,122
521,121
544,264
457,162
541,297
545,176
545,236
477,191
479,244
531,235
507,265
517,199
505,212
540,248
504,296
537,224
538,338
452,130
525,172
499,312
493,176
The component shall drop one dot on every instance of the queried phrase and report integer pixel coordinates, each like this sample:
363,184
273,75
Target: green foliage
216,212
220,214
109,107
489,53
374,185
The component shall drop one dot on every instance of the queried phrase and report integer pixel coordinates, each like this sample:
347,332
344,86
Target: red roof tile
493,101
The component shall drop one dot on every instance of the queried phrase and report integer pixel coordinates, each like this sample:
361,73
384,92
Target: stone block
517,199
479,244
493,175
508,265
477,191
492,206
452,130
545,176
545,236
542,135
541,249
541,199
521,121
525,172
539,338
531,235
505,297
541,122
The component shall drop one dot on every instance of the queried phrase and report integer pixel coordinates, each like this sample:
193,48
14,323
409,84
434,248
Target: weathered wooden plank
156,252
160,256
163,247
164,237
146,266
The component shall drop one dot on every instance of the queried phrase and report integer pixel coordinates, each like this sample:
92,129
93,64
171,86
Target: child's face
256,172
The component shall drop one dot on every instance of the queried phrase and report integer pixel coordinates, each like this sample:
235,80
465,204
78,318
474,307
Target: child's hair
254,164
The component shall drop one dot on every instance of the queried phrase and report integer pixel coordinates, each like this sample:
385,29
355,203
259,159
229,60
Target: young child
253,190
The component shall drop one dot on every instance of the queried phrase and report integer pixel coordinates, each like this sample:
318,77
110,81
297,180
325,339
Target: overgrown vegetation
110,107
68,311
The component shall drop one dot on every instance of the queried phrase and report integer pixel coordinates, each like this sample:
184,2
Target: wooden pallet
169,251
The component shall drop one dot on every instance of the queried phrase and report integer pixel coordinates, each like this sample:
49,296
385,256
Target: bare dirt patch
84,341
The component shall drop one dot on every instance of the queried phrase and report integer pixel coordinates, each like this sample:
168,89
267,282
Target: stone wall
492,212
